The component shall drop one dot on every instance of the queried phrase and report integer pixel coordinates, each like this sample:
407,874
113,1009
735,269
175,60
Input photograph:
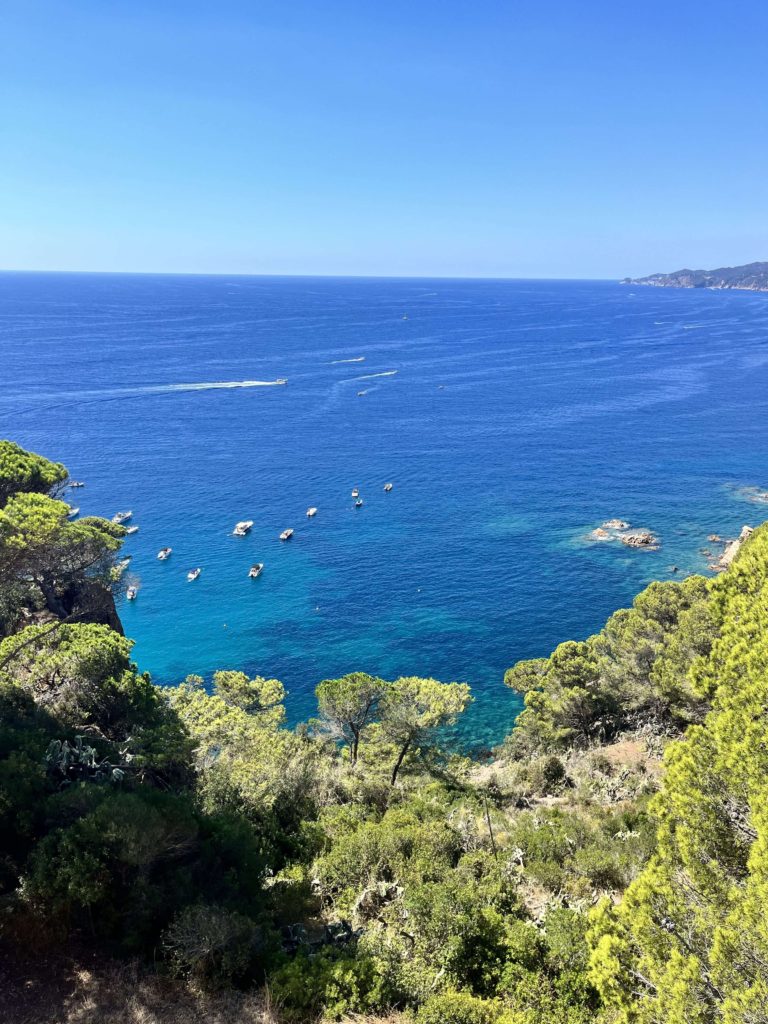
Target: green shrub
330,983
457,1008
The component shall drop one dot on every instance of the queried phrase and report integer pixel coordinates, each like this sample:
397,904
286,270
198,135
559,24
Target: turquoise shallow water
521,415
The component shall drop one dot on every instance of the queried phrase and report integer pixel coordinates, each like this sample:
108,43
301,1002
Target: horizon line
359,277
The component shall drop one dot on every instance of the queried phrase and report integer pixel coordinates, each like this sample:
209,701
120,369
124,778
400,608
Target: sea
512,417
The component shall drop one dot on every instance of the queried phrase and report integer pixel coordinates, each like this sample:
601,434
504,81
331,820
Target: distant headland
751,277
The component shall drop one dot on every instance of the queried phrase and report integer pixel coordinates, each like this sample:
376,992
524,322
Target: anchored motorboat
255,571
131,593
286,534
163,553
355,492
121,517
193,574
73,512
76,483
388,487
242,528
312,511
131,529
359,503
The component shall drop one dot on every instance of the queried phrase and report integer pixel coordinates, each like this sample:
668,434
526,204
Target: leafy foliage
635,671
689,936
22,471
50,562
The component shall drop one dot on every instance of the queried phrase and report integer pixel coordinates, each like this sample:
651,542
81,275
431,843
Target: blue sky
550,139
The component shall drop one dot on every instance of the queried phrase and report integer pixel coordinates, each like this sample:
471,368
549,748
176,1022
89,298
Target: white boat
312,511
286,534
242,528
359,503
361,393
121,517
73,512
76,483
255,571
388,487
193,574
163,553
131,529
131,593
355,492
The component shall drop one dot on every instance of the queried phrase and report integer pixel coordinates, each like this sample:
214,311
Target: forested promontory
750,277
172,853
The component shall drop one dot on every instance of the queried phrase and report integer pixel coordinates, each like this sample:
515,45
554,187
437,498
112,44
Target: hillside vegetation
609,865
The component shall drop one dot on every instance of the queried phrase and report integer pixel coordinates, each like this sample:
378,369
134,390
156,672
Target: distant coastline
751,277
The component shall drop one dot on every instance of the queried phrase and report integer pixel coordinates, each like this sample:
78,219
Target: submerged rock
600,534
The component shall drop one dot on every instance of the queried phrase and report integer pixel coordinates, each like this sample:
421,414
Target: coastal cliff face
750,277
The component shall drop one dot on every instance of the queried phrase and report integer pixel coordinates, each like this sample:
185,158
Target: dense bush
457,1008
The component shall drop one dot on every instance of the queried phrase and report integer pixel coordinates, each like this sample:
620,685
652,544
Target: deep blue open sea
511,416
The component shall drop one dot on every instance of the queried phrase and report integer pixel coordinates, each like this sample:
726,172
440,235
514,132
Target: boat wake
213,385
355,359
370,376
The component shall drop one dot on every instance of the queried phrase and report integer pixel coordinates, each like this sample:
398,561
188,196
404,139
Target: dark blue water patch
511,416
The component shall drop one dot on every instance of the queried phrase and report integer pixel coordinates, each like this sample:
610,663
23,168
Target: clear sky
559,138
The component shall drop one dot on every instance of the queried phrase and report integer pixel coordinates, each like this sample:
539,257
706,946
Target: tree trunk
399,761
52,602
355,745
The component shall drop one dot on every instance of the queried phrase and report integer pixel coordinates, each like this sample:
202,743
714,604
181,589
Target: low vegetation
609,865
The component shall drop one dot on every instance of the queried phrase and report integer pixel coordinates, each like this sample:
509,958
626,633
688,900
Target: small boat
191,576
388,487
131,593
243,528
255,571
76,483
355,492
281,380
121,517
286,534
359,503
311,512
163,553
361,393
73,512
131,529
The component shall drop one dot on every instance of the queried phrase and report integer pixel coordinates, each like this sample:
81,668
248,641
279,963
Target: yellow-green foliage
689,942
22,471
